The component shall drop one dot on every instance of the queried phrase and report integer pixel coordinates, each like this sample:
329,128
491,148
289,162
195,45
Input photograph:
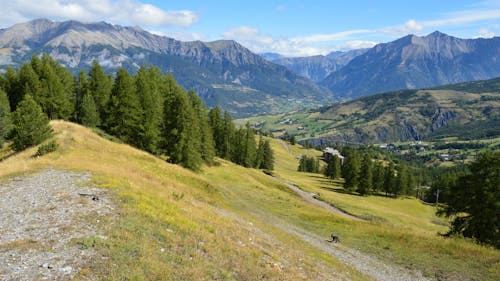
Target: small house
329,152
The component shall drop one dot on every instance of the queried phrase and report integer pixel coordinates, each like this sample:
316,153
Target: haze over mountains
226,73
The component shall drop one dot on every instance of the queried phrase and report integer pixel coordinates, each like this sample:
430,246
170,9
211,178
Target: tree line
148,110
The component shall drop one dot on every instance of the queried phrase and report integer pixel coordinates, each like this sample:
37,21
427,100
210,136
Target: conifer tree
352,168
268,157
401,186
378,177
366,175
389,180
124,112
28,82
53,95
228,136
181,139
332,169
30,125
217,125
207,141
100,87
11,87
259,158
5,121
473,201
147,84
88,112
249,147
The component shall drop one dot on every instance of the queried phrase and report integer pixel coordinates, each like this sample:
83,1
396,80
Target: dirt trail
310,197
41,219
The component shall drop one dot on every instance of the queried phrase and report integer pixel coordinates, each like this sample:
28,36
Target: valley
232,222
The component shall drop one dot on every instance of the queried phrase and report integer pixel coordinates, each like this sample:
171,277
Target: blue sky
293,28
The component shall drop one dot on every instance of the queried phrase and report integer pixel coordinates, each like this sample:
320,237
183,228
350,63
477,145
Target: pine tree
259,158
30,125
268,157
207,141
332,169
28,82
249,147
12,88
217,125
473,201
147,83
100,87
54,96
378,177
366,175
5,121
88,112
401,186
389,179
181,139
124,112
228,136
352,168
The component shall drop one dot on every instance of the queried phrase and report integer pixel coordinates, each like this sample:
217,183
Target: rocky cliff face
222,72
417,62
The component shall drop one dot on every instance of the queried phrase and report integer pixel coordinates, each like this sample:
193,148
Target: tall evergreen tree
88,112
249,147
401,186
332,169
474,201
389,180
366,175
100,87
260,153
54,97
268,157
147,83
124,112
229,136
181,139
11,86
5,121
351,170
207,141
217,125
378,176
30,125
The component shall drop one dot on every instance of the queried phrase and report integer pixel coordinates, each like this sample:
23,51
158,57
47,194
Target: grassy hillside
466,111
234,223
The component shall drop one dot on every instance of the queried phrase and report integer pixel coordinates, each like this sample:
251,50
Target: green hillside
466,111
233,223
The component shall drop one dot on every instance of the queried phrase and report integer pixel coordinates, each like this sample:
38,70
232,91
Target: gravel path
41,217
310,197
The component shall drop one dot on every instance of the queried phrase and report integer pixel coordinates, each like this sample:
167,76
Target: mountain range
221,72
228,74
316,68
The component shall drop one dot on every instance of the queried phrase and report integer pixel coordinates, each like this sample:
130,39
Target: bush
46,148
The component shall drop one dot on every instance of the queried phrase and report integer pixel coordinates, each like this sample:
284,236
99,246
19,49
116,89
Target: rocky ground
45,220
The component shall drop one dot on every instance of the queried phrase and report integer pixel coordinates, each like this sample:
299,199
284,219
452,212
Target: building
329,152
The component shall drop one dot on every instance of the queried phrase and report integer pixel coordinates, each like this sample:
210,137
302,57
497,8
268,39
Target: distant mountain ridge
317,67
222,72
417,62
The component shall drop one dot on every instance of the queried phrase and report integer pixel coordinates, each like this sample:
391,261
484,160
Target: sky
288,27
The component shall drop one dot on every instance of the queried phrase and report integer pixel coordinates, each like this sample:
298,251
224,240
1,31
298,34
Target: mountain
221,72
271,56
318,67
467,111
415,62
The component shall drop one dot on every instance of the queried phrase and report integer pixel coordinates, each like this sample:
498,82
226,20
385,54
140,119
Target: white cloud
450,19
485,33
130,12
311,45
180,35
